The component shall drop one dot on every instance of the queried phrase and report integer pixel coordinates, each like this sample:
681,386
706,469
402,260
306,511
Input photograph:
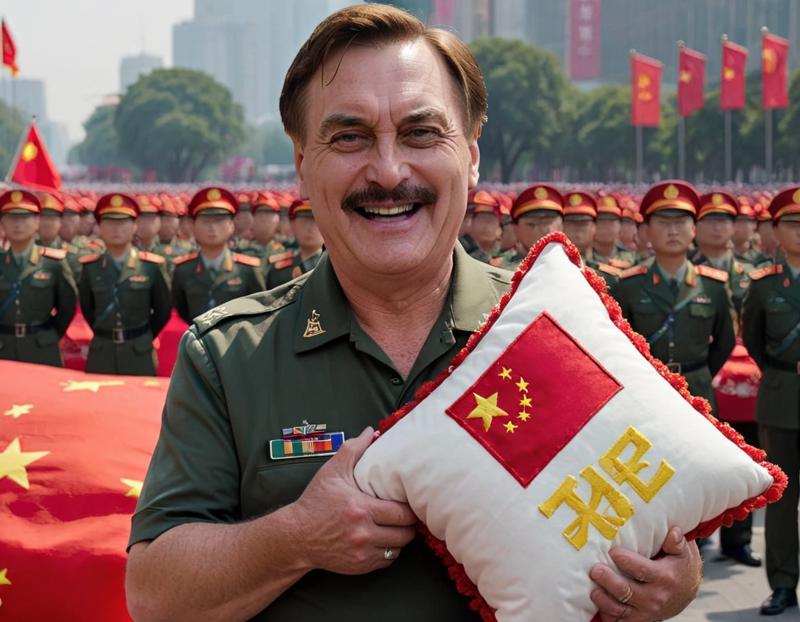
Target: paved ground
732,592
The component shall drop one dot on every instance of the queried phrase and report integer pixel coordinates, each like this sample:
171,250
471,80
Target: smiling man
385,115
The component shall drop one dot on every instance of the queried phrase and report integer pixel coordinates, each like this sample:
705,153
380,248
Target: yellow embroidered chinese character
628,470
577,532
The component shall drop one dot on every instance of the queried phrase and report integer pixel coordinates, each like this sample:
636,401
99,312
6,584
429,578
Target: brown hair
379,23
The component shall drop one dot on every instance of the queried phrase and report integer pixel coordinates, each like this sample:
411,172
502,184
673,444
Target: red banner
9,50
33,167
584,39
645,91
734,59
691,81
774,71
74,449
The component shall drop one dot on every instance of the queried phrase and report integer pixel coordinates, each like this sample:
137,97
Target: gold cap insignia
116,200
796,196
540,193
575,199
717,199
313,326
16,196
213,194
609,201
671,192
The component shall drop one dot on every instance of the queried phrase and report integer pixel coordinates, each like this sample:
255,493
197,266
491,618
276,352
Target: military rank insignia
305,441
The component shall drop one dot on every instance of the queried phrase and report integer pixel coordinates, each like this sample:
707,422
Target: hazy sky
75,46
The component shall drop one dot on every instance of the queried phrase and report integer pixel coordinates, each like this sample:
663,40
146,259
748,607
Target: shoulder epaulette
635,271
151,257
94,244
255,262
53,253
712,273
621,264
604,267
283,264
755,275
71,248
280,257
184,258
89,258
497,262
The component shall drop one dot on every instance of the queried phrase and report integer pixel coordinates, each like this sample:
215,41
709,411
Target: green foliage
11,128
100,147
178,122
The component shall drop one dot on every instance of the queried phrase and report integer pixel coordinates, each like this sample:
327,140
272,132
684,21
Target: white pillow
577,393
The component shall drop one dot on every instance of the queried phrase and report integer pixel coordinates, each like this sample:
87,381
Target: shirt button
397,381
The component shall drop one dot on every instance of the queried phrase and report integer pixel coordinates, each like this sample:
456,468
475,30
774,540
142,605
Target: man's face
243,222
607,229
87,223
265,225
70,222
767,233
186,226
714,232
148,225
169,227
466,225
20,228
509,238
580,232
306,232
117,232
285,226
533,226
787,232
743,229
385,160
671,235
49,225
627,232
486,228
213,230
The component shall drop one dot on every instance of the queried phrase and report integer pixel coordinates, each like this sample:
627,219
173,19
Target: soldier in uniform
242,236
266,218
744,230
50,227
289,265
769,244
486,228
215,274
537,211
148,223
684,311
606,247
37,290
771,332
580,212
124,294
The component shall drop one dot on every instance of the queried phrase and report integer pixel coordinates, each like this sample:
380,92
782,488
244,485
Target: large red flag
33,167
774,71
645,90
734,58
584,39
691,80
9,50
74,449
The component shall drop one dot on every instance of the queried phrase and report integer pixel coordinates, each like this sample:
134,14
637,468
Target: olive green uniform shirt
738,276
284,271
256,365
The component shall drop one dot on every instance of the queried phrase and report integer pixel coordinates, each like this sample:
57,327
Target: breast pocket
781,318
646,318
278,483
40,296
135,302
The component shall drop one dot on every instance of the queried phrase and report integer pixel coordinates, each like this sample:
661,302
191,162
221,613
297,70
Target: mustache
404,193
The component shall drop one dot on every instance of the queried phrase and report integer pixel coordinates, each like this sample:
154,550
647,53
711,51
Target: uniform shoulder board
255,262
635,271
497,262
712,273
280,265
604,267
54,253
184,258
151,257
755,275
622,264
89,258
279,257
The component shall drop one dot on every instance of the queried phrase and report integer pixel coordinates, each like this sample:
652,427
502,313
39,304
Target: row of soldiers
691,279
127,280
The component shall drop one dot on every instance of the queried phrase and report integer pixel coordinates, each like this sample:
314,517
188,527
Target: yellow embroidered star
135,487
523,415
505,374
90,385
17,410
510,427
4,580
152,383
13,462
525,402
486,410
522,385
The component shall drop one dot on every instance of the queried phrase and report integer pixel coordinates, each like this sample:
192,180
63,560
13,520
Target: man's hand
649,589
345,530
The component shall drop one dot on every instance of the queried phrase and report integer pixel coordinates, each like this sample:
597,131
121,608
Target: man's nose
387,165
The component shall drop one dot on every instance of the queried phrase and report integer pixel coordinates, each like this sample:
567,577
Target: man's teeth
388,211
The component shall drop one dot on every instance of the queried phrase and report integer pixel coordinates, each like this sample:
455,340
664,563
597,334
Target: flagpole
728,140
639,154
767,128
681,127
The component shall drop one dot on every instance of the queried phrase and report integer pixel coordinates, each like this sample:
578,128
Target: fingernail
596,573
677,534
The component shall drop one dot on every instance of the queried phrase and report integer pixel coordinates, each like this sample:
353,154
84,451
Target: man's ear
475,160
298,166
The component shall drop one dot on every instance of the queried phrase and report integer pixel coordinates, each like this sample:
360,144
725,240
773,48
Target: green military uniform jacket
770,317
495,258
195,290
512,258
754,257
37,302
738,277
284,267
73,255
305,344
622,259
610,274
126,309
262,251
702,335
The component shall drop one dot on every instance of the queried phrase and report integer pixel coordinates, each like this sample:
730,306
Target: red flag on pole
9,50
691,80
774,71
645,90
33,167
732,95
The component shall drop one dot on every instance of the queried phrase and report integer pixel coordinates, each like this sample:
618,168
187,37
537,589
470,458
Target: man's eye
423,133
347,138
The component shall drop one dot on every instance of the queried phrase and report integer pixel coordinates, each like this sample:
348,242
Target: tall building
131,68
26,94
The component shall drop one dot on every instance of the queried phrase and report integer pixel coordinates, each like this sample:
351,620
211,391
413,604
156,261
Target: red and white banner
645,90
584,39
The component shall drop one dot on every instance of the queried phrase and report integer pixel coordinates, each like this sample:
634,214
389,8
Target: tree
101,146
11,128
527,99
178,122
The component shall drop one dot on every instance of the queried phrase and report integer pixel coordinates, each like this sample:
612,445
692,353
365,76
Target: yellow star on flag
506,373
510,427
525,402
523,415
152,383
90,385
17,410
13,462
686,76
135,487
486,409
522,385
4,580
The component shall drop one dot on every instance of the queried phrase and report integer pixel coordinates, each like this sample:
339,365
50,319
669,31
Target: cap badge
671,192
116,201
16,196
796,196
213,194
313,325
717,199
540,193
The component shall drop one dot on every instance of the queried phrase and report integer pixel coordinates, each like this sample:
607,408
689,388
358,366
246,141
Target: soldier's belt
685,368
121,335
792,366
23,330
